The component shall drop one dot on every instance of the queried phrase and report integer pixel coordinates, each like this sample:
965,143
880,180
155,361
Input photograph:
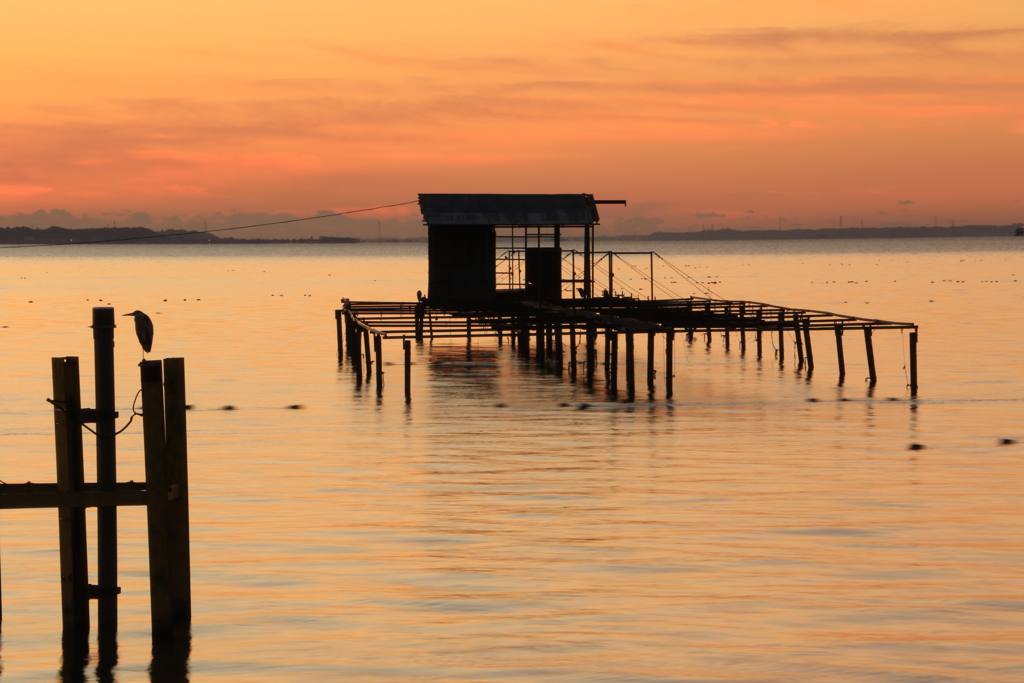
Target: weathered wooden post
613,360
106,468
707,322
74,566
407,348
870,350
650,363
757,337
572,351
839,352
341,336
743,329
669,370
808,351
559,351
591,353
469,331
782,338
630,364
379,361
163,424
421,307
799,342
913,363
368,354
725,326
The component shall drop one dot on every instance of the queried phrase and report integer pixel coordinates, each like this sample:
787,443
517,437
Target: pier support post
176,462
157,487
782,339
669,338
630,365
421,309
591,353
379,362
341,336
870,349
369,354
74,567
797,334
707,330
913,364
524,338
757,336
572,352
541,344
839,353
743,330
725,327
650,363
808,351
613,360
407,349
559,352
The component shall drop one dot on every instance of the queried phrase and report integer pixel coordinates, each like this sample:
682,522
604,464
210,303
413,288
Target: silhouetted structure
498,268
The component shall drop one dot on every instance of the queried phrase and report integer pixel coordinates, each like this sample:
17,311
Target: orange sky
696,111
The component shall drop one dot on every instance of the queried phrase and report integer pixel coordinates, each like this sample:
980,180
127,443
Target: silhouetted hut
472,236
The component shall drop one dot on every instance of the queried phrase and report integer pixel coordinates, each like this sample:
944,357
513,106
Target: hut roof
508,209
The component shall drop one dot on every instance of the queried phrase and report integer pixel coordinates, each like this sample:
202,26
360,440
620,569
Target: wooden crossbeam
27,496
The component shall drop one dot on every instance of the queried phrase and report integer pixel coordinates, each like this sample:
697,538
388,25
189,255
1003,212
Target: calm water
493,531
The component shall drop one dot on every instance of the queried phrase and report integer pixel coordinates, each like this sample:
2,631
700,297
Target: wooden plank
70,499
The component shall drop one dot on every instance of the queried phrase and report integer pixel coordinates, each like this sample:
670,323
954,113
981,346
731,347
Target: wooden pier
564,336
498,269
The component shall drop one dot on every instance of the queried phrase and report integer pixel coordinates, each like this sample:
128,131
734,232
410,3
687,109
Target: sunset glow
729,112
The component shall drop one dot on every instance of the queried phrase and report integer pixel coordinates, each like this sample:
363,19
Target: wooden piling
177,506
808,351
572,352
74,566
725,328
630,365
757,334
743,329
341,336
368,354
613,360
106,468
707,317
421,308
157,488
870,350
407,348
469,331
559,352
650,363
379,362
799,341
782,338
669,369
591,353
541,345
913,364
839,352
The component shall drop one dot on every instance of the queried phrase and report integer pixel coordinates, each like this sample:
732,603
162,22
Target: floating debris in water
296,406
228,407
190,406
915,447
1007,442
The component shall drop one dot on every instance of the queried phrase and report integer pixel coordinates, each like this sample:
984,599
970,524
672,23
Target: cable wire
207,232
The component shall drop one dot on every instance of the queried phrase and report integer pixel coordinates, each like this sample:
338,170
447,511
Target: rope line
207,232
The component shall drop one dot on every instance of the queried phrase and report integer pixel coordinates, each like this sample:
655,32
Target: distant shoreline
56,235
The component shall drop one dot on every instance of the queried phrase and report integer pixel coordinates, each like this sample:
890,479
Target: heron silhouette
143,330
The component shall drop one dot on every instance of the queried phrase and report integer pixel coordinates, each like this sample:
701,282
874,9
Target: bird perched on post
143,330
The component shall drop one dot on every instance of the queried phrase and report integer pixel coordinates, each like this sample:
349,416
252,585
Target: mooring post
707,315
407,348
870,349
355,345
839,352
650,363
177,491
539,351
74,566
106,467
524,338
669,338
379,361
469,331
630,364
808,351
799,342
913,363
157,489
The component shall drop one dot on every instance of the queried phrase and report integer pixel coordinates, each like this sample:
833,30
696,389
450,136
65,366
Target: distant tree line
58,235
